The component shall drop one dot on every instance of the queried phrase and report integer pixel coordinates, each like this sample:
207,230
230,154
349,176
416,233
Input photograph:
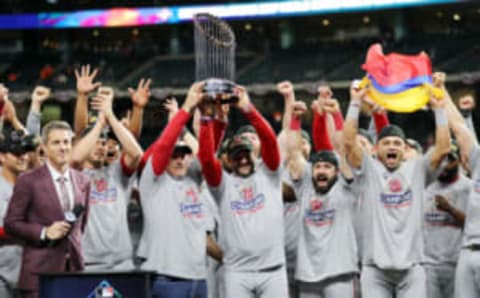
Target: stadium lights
125,17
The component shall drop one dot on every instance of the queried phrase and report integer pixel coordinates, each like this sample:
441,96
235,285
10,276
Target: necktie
64,197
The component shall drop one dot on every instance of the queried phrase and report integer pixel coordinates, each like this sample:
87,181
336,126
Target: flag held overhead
397,82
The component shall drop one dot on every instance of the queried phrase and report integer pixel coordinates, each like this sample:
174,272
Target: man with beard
446,201
107,241
466,273
393,192
251,207
14,159
327,206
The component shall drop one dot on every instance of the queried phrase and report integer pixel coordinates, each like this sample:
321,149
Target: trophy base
220,91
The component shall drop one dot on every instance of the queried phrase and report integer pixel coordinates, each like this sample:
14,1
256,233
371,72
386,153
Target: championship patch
191,206
250,201
395,185
396,194
320,218
101,192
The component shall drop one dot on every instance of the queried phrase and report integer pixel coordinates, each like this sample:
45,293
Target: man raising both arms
251,207
393,190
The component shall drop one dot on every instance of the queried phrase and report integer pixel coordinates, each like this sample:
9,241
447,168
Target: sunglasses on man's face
241,155
180,155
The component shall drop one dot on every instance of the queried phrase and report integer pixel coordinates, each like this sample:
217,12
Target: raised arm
295,160
353,151
33,123
86,144
285,88
466,105
442,131
320,133
332,107
220,122
380,119
463,135
10,114
85,85
171,106
132,152
140,98
211,167
269,146
165,144
328,121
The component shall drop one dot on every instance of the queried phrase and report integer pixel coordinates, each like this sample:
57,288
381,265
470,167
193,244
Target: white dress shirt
68,183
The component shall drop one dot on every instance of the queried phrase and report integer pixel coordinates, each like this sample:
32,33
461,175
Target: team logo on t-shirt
250,201
316,204
191,206
395,185
318,214
396,194
101,192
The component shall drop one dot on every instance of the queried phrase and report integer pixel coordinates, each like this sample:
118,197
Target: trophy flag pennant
399,83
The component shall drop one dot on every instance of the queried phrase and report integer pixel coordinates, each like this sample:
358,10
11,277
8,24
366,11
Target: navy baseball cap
238,144
246,128
324,156
391,131
15,142
182,148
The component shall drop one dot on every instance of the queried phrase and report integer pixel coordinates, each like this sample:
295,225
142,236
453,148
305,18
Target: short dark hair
54,125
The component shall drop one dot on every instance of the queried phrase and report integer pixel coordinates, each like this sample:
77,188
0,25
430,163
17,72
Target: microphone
72,216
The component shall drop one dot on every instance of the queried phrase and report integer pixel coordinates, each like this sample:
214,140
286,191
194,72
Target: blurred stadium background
43,41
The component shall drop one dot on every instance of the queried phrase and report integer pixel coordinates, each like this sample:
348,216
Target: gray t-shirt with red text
392,212
251,212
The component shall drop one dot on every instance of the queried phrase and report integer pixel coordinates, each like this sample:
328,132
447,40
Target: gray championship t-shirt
472,222
107,240
327,246
174,232
251,212
442,237
392,212
10,255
